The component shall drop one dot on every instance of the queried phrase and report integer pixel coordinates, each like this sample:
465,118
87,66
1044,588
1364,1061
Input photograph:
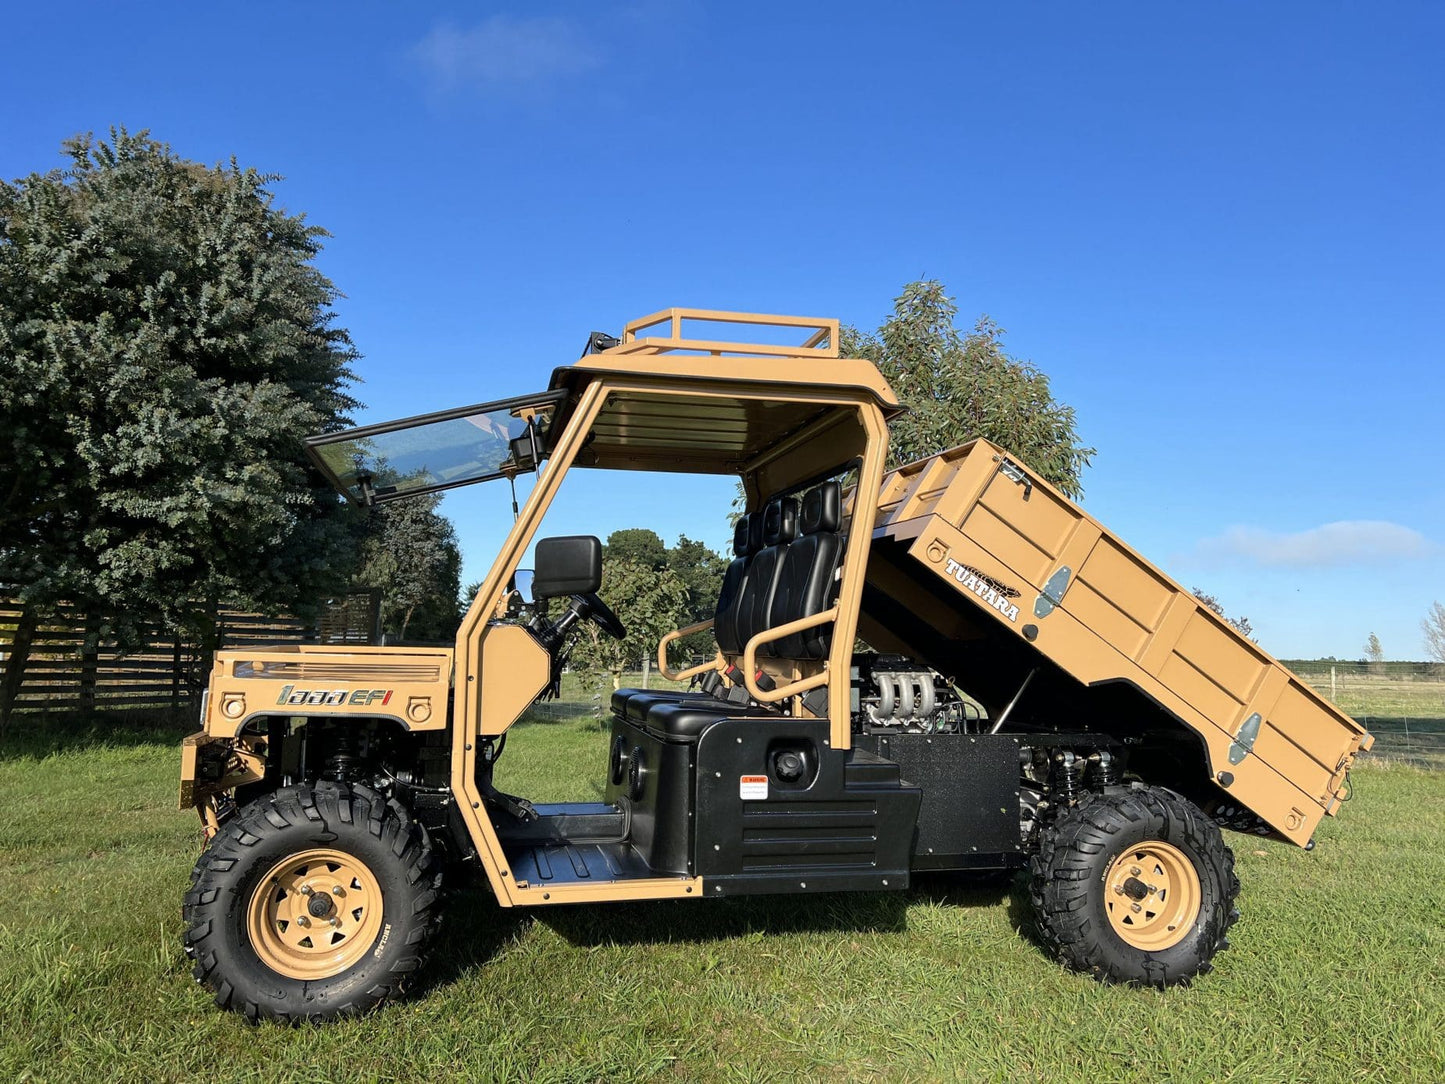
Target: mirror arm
553,635
565,623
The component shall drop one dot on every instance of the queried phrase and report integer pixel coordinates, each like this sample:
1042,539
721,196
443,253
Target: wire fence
1401,704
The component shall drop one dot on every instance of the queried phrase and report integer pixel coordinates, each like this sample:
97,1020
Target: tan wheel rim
315,914
1152,896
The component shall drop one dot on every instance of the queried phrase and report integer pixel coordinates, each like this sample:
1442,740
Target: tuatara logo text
991,592
311,698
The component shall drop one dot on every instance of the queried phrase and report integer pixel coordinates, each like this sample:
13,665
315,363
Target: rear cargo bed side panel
1134,589
1118,618
1091,659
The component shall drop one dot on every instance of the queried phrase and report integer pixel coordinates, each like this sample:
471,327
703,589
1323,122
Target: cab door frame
494,687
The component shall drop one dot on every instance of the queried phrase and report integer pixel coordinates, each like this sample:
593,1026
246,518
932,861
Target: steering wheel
593,608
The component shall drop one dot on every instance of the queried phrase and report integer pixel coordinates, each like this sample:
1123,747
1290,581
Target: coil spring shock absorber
1068,776
340,763
1106,769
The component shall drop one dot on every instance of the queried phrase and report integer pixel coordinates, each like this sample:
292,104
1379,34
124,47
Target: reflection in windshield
428,455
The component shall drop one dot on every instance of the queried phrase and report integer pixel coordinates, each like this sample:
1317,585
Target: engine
894,694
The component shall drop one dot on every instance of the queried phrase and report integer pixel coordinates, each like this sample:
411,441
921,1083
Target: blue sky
1220,228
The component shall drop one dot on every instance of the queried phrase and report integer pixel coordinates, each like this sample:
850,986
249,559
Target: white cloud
1346,542
505,52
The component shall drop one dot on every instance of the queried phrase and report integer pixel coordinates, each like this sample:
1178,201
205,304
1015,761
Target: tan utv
1034,695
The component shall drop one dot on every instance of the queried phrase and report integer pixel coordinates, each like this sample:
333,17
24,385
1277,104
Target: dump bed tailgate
1039,568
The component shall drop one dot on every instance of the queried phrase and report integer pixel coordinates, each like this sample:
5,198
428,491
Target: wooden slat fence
166,670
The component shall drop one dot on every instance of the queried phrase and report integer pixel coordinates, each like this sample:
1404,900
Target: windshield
378,463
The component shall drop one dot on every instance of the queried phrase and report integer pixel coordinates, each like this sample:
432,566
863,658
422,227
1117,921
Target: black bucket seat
808,582
747,540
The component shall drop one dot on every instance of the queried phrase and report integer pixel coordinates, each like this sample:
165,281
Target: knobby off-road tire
1135,887
312,903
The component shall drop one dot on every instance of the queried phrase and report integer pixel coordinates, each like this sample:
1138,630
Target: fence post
15,663
176,672
1333,694
89,661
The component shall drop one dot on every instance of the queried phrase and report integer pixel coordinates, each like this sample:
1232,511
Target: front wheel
311,903
1135,887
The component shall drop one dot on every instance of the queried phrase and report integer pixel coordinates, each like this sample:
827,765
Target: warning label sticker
753,788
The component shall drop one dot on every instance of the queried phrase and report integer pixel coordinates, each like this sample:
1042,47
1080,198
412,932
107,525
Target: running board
562,864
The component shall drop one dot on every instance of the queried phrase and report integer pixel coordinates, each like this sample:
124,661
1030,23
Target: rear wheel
311,903
1135,887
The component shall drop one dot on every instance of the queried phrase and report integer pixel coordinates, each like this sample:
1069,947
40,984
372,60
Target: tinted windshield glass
432,452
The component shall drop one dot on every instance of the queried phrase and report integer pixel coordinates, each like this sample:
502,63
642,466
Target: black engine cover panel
970,783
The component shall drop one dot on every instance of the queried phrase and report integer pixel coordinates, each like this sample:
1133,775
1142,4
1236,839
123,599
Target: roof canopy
690,390
768,388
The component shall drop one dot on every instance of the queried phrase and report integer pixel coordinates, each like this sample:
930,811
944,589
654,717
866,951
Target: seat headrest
755,530
741,536
780,521
823,508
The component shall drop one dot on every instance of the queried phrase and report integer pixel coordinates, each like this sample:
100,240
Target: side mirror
567,565
522,584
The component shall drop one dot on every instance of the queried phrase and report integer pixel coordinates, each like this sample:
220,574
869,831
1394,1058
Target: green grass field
1336,972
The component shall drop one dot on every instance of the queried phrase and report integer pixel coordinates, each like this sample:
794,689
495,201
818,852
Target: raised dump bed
1090,629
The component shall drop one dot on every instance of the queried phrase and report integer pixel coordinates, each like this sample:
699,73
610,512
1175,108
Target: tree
961,386
165,344
701,569
1240,624
1374,653
1433,626
410,552
697,565
639,544
651,602
469,594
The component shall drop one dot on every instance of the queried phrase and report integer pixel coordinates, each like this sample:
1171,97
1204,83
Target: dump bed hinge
1244,740
1053,592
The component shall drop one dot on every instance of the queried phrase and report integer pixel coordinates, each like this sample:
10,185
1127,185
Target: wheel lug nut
303,921
335,921
336,890
306,890
1136,908
1118,890
1134,872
